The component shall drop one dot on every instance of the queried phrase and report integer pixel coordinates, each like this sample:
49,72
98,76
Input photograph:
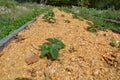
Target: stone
32,59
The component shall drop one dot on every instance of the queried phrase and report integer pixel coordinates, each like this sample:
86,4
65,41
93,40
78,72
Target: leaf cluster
115,43
49,17
50,49
95,27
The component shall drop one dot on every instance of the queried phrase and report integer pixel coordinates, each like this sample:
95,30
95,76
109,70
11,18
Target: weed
51,48
36,12
115,43
72,49
91,29
75,16
67,21
95,27
89,23
49,17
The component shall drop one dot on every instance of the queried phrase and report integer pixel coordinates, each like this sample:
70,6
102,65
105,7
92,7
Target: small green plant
49,17
95,27
75,16
91,29
72,49
50,49
89,23
36,12
67,21
115,43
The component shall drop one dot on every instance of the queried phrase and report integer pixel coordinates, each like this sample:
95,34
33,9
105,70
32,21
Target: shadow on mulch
23,78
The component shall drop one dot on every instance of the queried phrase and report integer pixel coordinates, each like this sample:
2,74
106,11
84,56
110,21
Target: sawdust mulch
93,58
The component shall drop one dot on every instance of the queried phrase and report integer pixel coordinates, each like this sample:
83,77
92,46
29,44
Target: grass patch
96,16
8,3
17,16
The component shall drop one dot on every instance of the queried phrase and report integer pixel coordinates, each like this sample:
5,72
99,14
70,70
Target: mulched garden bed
92,59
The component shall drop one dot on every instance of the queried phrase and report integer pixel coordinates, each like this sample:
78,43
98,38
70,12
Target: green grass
97,16
8,3
115,43
49,17
17,16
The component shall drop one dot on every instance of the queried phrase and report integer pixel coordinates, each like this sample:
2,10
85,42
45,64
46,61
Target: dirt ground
93,58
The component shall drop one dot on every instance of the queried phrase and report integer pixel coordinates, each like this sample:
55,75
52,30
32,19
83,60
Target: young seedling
115,43
49,17
51,49
72,49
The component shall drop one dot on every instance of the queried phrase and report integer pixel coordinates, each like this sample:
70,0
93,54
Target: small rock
32,59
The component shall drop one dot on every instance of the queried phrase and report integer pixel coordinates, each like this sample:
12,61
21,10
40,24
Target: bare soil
93,58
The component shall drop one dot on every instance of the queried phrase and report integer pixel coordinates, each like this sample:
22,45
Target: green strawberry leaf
56,41
54,53
44,47
53,46
44,52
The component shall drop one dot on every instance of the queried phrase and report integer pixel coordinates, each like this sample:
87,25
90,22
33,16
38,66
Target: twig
46,74
35,47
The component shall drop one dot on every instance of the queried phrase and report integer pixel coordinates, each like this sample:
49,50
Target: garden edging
8,38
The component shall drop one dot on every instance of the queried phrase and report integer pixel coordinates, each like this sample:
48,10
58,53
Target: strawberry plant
50,49
49,17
